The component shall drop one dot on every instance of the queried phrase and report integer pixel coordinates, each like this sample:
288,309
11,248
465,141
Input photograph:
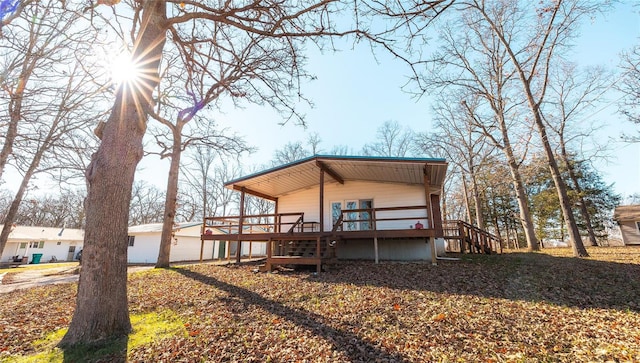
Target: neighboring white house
46,243
144,244
628,217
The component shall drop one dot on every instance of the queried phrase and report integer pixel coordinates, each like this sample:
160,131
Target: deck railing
361,219
471,238
381,218
256,223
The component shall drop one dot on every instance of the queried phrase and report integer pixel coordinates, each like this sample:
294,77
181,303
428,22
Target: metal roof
626,213
34,233
157,227
305,173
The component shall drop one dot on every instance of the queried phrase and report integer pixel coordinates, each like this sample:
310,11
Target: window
131,240
36,244
353,221
638,225
59,243
23,245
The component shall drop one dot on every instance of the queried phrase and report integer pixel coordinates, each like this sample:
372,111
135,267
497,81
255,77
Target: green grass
147,328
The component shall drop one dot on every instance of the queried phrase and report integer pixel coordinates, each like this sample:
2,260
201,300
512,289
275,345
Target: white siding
146,246
630,232
382,194
49,250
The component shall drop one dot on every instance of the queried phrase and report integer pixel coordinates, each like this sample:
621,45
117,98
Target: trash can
35,258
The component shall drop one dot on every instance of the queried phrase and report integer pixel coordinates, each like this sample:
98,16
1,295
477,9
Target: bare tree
392,140
146,204
112,169
572,94
53,93
532,49
290,152
630,88
473,63
61,210
463,145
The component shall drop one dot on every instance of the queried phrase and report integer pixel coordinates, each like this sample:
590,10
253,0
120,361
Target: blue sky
355,93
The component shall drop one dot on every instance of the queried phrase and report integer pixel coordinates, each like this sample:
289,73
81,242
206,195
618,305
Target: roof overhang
627,213
276,182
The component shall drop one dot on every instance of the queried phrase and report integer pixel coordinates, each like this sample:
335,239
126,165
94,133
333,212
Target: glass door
365,216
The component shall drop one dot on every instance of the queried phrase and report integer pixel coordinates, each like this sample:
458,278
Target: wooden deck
293,241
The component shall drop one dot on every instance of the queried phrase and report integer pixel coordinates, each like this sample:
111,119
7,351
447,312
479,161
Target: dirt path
39,277
24,277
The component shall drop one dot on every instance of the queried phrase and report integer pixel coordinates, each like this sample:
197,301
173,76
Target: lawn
515,307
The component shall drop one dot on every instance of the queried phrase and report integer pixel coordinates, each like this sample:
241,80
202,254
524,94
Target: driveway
25,277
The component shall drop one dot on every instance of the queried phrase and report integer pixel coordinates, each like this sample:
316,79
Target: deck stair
471,238
305,248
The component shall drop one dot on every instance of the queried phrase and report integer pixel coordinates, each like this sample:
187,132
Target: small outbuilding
628,218
186,244
29,244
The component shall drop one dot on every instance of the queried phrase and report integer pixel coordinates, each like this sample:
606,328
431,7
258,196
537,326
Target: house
343,207
186,244
43,244
628,218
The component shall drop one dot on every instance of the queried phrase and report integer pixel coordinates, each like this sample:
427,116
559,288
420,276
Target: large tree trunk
101,304
475,193
576,184
170,203
561,187
523,203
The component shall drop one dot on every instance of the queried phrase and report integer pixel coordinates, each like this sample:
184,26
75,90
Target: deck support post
375,236
432,242
321,200
375,248
241,222
319,264
427,191
269,254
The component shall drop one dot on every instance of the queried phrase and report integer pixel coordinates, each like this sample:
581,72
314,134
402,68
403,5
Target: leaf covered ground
515,307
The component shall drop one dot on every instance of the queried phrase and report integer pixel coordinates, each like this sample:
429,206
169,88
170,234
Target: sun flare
124,70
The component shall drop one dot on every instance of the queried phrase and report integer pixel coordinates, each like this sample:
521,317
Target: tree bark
101,304
170,201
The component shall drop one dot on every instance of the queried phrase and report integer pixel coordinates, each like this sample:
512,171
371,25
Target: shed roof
34,233
157,227
625,213
282,180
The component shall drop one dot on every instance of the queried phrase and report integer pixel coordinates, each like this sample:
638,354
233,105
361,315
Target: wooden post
375,235
319,263
321,200
269,252
240,223
461,235
204,226
431,240
201,248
